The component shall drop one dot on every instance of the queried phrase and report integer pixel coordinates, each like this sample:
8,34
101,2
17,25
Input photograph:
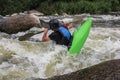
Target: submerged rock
109,70
16,23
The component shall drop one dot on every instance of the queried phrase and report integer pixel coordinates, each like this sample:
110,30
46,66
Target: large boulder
14,24
109,70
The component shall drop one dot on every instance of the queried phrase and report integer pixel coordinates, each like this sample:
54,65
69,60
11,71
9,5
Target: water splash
46,59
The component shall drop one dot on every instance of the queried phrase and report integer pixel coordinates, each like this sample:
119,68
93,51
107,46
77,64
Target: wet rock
34,12
16,23
1,17
109,70
77,20
103,19
65,14
56,14
115,13
14,14
113,22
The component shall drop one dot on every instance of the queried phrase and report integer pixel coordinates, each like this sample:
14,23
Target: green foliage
46,8
13,6
115,5
60,6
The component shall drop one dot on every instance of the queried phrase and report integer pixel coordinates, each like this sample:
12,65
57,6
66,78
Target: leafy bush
60,6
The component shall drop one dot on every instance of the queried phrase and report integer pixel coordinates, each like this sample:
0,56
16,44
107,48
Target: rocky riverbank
24,21
109,70
97,19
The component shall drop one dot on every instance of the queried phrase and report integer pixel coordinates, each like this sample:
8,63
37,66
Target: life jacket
65,32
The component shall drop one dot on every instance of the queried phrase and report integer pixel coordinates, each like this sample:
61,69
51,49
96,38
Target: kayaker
61,34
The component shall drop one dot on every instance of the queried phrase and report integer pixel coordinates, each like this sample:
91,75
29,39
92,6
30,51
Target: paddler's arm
45,37
68,25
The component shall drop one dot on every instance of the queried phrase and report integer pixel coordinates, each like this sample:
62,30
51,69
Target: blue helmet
54,23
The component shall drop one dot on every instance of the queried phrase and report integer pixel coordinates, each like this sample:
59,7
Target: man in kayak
61,35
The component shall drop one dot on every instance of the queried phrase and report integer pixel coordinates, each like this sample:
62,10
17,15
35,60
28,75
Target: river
23,59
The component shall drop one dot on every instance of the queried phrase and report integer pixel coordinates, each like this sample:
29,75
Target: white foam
35,58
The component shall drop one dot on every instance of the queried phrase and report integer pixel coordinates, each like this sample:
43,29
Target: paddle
27,36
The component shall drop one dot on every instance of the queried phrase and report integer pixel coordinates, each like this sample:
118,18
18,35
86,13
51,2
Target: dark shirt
56,36
59,38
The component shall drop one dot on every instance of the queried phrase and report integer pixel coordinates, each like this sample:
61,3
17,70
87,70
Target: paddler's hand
45,37
68,25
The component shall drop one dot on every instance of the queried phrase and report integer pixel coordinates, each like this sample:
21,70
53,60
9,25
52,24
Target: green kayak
80,36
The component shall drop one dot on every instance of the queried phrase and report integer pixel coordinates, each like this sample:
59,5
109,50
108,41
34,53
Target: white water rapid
23,59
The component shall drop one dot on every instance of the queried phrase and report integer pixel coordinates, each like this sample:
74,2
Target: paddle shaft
27,36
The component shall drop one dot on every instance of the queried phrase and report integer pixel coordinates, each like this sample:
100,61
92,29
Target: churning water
23,59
